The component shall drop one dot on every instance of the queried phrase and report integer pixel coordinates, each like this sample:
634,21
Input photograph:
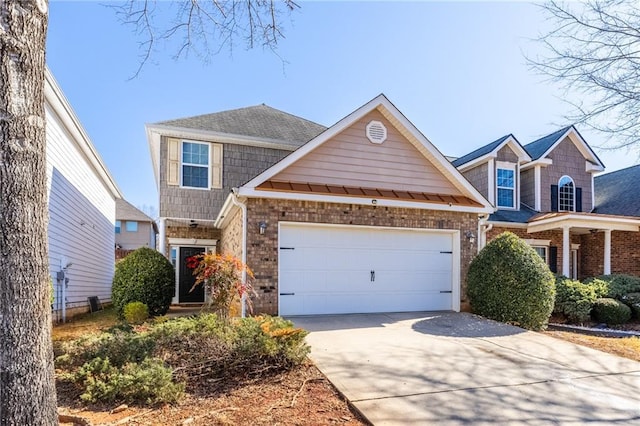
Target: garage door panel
329,270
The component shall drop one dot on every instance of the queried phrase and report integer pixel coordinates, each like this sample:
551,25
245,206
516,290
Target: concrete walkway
456,368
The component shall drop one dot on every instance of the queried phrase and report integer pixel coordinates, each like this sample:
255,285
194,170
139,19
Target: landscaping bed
248,372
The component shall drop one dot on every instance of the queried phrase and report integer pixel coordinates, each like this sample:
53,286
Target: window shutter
216,165
554,198
553,259
173,161
578,199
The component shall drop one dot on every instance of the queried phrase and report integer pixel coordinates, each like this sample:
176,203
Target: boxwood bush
632,300
611,311
574,299
618,285
509,282
144,276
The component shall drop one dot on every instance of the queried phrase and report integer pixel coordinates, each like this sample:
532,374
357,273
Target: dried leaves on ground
628,347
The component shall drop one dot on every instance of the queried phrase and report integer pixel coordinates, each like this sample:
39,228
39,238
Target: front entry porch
582,224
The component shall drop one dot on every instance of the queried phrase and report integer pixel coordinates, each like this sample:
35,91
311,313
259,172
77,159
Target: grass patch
627,347
85,324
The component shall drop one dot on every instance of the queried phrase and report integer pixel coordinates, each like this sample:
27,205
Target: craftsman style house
368,215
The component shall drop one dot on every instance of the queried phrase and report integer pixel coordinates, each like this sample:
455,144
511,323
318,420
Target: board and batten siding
350,159
81,217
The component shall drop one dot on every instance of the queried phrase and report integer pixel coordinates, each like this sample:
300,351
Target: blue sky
456,70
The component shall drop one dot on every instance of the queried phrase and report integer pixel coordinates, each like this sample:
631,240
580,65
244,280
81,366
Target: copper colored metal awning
352,191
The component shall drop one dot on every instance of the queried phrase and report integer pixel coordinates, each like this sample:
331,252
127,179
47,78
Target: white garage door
349,269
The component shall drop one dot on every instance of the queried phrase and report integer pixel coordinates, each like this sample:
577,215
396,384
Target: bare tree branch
204,27
594,53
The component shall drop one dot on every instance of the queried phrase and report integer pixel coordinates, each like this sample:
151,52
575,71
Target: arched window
566,194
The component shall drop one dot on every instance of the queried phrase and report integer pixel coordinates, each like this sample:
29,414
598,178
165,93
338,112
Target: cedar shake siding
262,250
506,154
528,188
477,176
567,160
350,159
240,164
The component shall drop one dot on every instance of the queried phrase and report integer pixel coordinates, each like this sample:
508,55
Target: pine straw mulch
302,396
627,347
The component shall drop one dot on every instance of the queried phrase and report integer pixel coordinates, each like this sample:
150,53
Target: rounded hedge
611,311
509,282
617,285
632,300
144,276
135,313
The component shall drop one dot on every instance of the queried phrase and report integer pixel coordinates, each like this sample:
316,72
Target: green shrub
611,311
574,299
144,276
136,312
601,287
617,285
120,347
509,282
632,300
147,382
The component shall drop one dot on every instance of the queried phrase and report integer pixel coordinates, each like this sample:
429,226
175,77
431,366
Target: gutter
243,207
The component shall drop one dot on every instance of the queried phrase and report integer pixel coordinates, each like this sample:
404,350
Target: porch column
607,251
162,236
566,251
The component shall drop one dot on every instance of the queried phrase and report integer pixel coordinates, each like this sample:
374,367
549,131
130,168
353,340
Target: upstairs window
118,226
506,187
195,165
131,226
566,194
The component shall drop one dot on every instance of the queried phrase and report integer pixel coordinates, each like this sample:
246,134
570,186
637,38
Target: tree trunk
27,388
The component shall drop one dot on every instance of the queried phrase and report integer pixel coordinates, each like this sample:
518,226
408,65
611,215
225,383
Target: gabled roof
540,148
481,154
618,192
127,211
260,121
483,150
409,132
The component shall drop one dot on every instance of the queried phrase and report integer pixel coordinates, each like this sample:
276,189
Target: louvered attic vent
376,132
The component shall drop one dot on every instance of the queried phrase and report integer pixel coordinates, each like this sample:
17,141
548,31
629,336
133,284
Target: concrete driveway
456,368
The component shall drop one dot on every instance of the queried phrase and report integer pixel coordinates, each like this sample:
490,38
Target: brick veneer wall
554,236
262,250
625,253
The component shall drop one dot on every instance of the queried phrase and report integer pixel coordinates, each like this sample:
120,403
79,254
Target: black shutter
554,198
553,259
578,199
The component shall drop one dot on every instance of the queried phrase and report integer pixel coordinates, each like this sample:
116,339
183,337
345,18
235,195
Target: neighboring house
545,193
196,163
81,196
134,229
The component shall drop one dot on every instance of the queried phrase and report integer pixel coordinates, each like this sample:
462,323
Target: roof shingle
483,150
260,121
618,192
540,146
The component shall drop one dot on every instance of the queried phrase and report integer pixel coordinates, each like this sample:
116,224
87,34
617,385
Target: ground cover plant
157,362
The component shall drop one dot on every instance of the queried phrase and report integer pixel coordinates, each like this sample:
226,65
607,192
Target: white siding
81,217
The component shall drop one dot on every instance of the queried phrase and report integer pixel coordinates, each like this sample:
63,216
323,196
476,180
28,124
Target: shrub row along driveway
456,368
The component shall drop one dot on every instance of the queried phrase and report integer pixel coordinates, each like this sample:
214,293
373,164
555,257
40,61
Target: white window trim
507,166
182,164
546,252
573,196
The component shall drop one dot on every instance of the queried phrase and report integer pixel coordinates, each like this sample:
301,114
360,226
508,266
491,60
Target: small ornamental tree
222,277
509,282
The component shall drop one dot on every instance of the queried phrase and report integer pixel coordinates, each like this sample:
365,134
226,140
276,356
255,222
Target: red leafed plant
222,277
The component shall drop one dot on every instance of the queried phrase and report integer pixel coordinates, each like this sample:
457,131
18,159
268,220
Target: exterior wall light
262,227
470,236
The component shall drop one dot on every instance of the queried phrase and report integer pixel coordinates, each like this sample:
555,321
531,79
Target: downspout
243,207
483,228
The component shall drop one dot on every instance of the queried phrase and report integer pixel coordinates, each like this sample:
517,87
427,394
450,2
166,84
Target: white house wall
81,217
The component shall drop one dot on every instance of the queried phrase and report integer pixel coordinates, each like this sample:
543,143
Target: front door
186,279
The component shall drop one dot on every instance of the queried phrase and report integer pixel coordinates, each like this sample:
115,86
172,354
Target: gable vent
376,132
